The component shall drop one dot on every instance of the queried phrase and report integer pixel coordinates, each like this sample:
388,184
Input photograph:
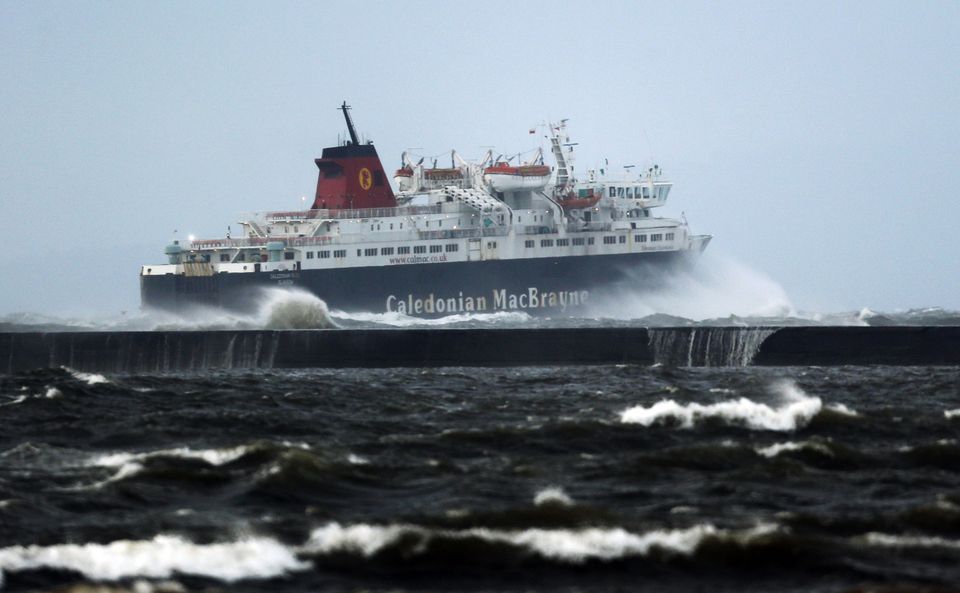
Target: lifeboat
503,177
577,201
404,178
440,174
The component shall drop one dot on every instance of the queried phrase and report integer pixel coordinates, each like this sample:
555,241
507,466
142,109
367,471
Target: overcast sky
819,142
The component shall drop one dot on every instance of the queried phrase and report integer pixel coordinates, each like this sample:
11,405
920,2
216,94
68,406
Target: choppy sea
600,478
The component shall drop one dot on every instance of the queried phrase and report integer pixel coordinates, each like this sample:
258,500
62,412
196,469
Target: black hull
541,286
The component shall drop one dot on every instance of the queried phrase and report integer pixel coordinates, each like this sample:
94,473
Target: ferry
498,234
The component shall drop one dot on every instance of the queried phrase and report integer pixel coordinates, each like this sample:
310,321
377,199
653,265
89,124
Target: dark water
536,479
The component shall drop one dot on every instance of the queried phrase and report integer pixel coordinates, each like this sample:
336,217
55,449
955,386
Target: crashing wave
795,412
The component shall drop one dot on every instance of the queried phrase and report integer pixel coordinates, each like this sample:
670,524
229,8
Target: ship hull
537,286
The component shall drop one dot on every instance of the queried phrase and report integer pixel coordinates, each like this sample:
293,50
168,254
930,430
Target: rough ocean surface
536,479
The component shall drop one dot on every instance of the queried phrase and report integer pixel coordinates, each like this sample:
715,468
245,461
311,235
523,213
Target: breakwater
163,351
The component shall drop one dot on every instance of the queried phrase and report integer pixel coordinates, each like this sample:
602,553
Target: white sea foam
565,545
160,557
211,456
401,320
951,413
719,287
130,464
795,411
842,409
909,541
355,459
552,495
778,448
88,378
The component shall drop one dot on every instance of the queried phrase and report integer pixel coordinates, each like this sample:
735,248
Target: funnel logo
366,179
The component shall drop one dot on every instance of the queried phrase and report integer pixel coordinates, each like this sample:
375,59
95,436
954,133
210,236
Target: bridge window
224,257
613,192
419,248
359,252
491,244
656,237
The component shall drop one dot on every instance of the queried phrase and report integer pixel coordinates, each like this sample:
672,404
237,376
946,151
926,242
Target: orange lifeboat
578,201
503,177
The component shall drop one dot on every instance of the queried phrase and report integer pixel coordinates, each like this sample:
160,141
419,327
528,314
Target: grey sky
819,142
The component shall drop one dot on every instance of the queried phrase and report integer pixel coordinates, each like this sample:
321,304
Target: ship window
591,240
288,255
528,244
436,248
359,252
563,242
646,193
622,239
613,192
391,226
386,251
370,251
419,248
403,250
656,237
669,237
609,240
578,240
451,247
439,223
491,244
371,227
309,255
286,230
296,229
640,238
224,257
340,253
241,257
629,192
620,192
546,242
324,254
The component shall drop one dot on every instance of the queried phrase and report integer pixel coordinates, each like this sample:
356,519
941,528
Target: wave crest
795,412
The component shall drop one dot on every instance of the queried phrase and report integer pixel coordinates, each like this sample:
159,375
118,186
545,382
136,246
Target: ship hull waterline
562,286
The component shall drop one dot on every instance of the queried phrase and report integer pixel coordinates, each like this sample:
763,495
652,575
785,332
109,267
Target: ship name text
499,300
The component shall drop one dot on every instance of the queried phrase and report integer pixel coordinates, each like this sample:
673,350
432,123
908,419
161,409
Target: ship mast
346,115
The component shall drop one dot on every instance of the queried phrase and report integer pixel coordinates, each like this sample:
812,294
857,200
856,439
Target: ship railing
583,227
329,214
463,233
259,242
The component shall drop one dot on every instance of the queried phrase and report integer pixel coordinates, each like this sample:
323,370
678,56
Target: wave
908,541
573,546
394,319
160,557
777,448
948,414
88,378
552,495
795,412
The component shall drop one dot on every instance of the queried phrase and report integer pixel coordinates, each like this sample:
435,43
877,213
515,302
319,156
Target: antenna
346,115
